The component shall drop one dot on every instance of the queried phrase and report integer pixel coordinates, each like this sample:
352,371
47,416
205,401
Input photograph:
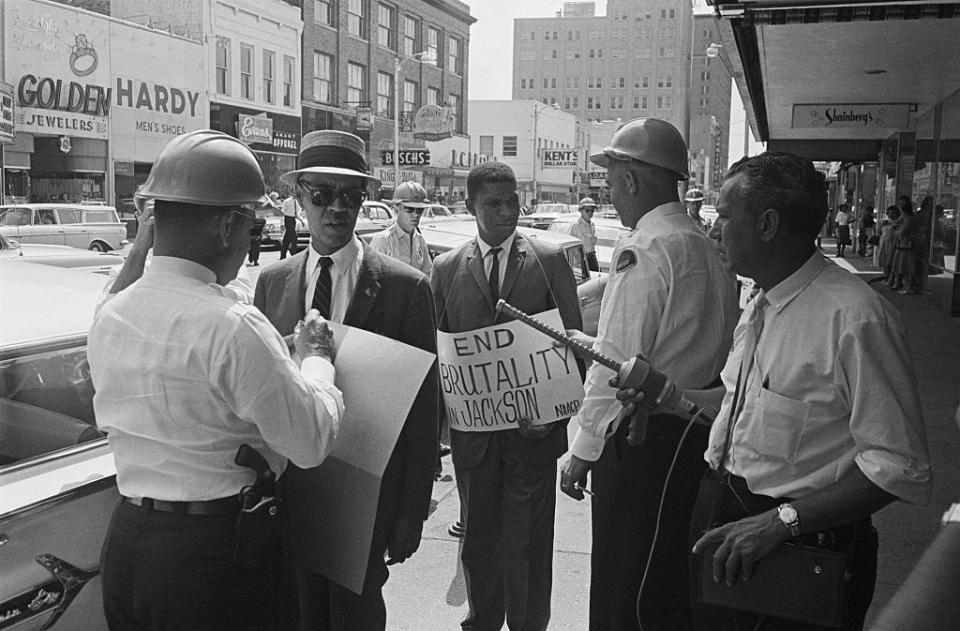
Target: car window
46,403
100,216
69,215
16,217
578,263
45,217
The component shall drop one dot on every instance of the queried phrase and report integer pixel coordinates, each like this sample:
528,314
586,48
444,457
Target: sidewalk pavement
427,592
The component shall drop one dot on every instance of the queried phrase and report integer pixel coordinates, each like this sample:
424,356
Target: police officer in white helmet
694,202
669,298
403,240
185,375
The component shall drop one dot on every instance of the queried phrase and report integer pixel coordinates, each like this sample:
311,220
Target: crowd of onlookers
905,243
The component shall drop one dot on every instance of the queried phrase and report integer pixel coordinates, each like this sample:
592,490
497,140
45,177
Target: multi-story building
94,98
358,53
637,60
252,63
709,108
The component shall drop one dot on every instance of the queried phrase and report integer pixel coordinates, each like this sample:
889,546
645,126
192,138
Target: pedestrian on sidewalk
883,254
865,229
905,244
843,219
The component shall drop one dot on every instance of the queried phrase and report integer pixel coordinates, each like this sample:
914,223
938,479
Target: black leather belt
222,506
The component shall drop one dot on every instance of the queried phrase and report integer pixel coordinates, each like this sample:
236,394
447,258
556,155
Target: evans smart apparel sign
851,116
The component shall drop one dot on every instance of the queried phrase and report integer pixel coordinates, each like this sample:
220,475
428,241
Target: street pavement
427,592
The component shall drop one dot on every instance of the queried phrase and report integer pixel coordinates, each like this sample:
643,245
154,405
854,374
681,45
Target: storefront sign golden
51,94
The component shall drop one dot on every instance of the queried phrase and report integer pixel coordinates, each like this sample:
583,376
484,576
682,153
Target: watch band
952,514
793,527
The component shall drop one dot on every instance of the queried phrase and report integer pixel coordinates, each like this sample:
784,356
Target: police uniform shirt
184,375
407,248
669,297
831,387
343,273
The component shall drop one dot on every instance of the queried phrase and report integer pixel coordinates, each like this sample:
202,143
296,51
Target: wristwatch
789,518
952,514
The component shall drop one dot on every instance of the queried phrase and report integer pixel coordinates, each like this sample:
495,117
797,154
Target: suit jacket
393,300
538,278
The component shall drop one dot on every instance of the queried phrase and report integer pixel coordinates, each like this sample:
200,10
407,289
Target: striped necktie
323,289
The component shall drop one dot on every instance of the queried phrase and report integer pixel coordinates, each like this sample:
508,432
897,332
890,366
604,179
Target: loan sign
492,377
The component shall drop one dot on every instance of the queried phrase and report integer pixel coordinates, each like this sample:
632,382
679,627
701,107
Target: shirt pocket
782,421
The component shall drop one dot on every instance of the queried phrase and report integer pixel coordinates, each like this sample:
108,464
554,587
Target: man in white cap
351,283
403,240
669,298
694,202
583,229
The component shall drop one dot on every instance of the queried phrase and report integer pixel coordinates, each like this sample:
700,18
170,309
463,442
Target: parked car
545,214
439,212
590,294
609,233
273,230
76,225
58,255
57,476
374,217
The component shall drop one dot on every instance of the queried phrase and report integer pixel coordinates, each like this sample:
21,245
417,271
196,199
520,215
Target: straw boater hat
330,151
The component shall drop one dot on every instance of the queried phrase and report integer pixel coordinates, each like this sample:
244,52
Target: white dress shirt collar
180,267
504,246
343,259
790,287
661,211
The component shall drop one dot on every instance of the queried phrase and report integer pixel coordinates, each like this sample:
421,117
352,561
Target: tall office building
637,60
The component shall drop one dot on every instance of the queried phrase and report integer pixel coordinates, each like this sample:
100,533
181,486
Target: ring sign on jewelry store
559,158
494,376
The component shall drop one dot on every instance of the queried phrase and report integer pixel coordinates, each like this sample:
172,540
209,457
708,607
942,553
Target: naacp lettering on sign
559,158
411,157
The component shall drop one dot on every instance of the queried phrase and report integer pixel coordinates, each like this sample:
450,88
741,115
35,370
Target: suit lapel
294,292
518,254
365,293
475,264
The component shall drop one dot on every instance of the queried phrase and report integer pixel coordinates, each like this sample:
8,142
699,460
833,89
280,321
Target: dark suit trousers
328,606
168,571
628,482
723,499
507,554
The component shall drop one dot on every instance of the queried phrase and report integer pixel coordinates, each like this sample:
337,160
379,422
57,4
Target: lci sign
851,116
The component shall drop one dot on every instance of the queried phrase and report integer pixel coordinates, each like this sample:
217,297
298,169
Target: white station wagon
76,225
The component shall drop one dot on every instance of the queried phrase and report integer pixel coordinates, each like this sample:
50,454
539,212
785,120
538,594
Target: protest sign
493,376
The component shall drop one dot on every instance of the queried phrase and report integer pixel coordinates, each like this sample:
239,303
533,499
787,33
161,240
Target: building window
246,71
410,96
357,18
589,102
486,146
553,53
673,13
454,59
324,12
553,83
523,84
223,66
599,82
566,102
533,35
510,146
433,45
385,94
454,101
546,83
386,36
643,102
576,102
433,96
410,30
636,102
269,58
289,79
356,84
322,78
623,82
589,82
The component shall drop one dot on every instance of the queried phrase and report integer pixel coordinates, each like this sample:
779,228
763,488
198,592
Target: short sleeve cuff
586,446
907,478
316,367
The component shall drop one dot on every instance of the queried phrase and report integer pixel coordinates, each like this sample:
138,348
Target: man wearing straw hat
348,282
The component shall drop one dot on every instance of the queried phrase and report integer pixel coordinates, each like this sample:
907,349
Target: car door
59,488
75,233
44,228
13,219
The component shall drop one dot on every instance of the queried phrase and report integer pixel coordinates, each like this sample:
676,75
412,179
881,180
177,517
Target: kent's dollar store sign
407,157
559,158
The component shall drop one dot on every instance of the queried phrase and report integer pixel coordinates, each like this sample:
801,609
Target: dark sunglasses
324,196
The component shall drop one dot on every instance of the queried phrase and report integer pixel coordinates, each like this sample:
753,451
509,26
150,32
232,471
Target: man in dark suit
351,283
506,479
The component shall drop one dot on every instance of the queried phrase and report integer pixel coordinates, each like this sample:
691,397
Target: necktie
494,279
323,288
751,337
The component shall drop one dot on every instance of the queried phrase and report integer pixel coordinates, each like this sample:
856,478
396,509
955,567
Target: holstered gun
258,543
